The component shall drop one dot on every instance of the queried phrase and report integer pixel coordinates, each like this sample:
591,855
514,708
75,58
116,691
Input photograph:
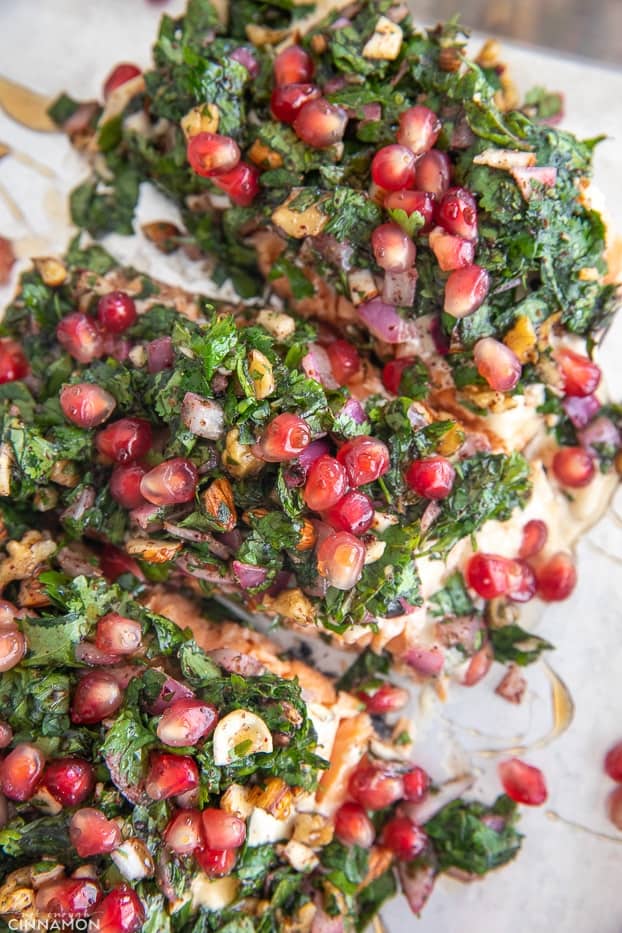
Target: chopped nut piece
16,901
133,859
313,829
308,536
260,371
6,460
65,473
52,271
238,459
299,224
203,119
152,550
44,872
45,498
32,594
164,236
219,505
362,286
300,856
277,323
293,605
236,799
24,557
380,860
512,685
522,339
261,35
275,797
385,42
263,156
490,54
451,441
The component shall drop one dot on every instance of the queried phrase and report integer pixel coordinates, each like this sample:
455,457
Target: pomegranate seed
92,833
432,477
6,734
293,66
121,911
393,372
365,459
557,578
386,699
284,438
410,201
96,696
222,830
353,827
452,252
185,722
416,784
160,355
534,538
614,807
326,483
613,762
465,290
353,513
580,375
210,154
457,213
244,56
241,184
433,173
216,863
345,361
13,362
184,832
86,405
117,634
79,335
114,563
172,482
125,483
320,124
393,167
69,780
340,558
496,363
68,897
375,788
116,312
522,581
404,838
419,129
522,782
488,574
119,75
574,467
20,771
170,775
125,440
13,647
393,250
286,101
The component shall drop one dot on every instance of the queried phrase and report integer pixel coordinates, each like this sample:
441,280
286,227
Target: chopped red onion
80,505
146,517
580,409
464,631
202,416
383,321
88,653
311,453
248,575
353,409
430,514
399,288
600,431
417,881
425,661
316,365
171,690
160,354
245,57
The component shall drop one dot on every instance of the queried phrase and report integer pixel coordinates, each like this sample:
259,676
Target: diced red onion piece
316,365
203,417
399,288
580,409
383,321
600,431
248,575
425,661
160,354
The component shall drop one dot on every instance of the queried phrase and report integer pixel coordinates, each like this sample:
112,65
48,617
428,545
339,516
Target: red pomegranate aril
404,838
579,374
284,438
216,863
117,634
534,538
354,513
386,699
13,362
125,440
574,467
326,483
457,213
120,74
121,911
92,833
431,477
497,364
393,167
211,154
184,832
451,252
20,771
97,695
522,581
410,201
365,458
116,311
13,647
614,807
465,290
488,575
125,482
613,762
185,722
293,66
114,563
241,183
416,784
393,372
286,101
170,483
340,559
419,128
375,787
69,898
433,173
86,405
244,56
345,360
79,335
6,734
353,827
522,782
170,775
556,578
222,830
393,250
69,780
320,124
